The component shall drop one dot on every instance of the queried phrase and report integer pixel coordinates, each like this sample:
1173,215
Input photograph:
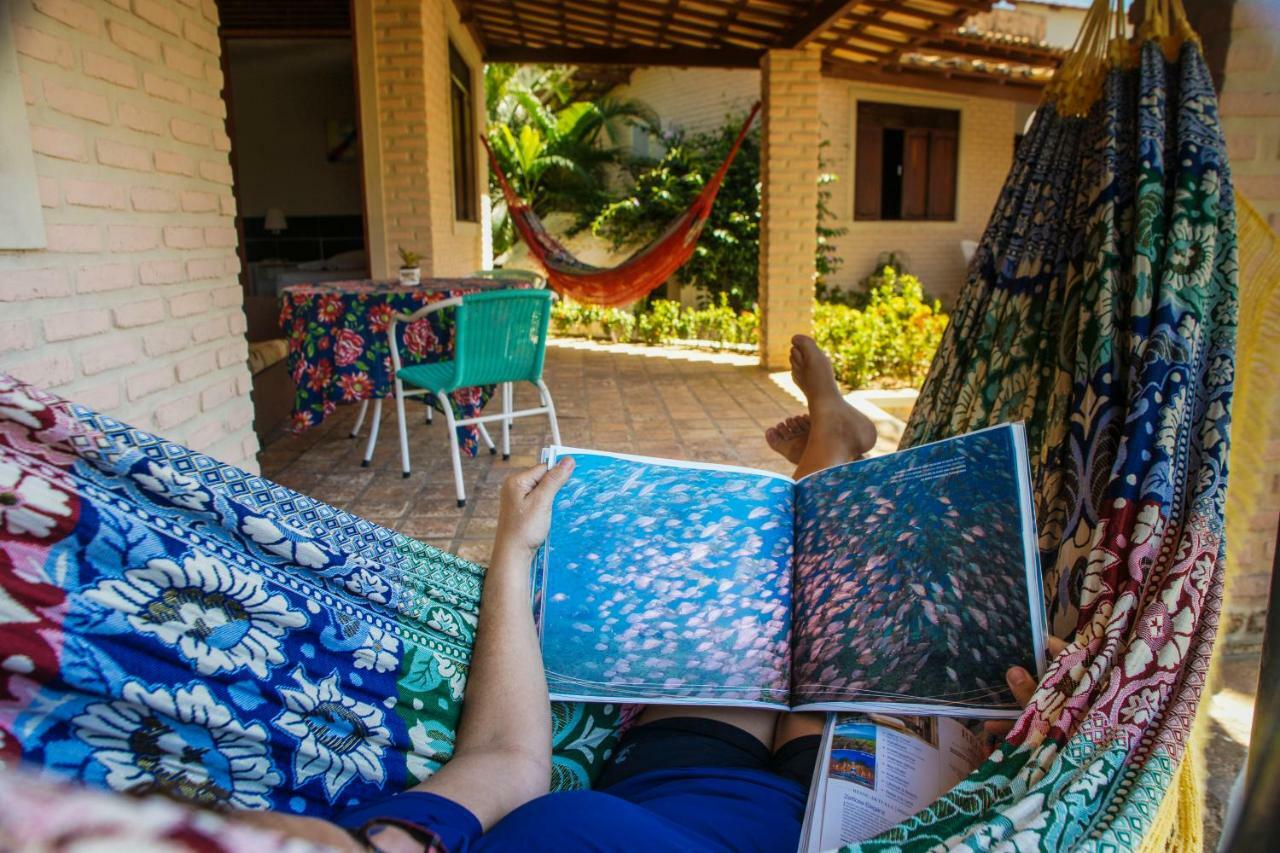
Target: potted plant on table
410,273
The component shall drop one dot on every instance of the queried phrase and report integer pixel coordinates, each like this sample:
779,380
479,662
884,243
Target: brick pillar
789,199
391,40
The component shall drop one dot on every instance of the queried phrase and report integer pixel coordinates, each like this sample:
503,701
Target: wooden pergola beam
947,80
690,57
819,18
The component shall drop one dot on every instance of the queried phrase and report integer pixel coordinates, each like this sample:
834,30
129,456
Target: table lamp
275,221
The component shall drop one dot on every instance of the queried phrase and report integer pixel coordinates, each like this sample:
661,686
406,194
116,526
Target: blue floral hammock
170,623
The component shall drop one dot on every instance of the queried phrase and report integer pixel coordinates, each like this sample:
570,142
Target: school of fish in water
668,582
676,583
912,587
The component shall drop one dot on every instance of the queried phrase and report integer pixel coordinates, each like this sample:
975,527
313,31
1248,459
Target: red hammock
637,275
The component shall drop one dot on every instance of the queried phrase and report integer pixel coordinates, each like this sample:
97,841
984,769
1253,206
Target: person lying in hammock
683,778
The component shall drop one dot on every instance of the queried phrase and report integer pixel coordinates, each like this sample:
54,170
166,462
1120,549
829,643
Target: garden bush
888,342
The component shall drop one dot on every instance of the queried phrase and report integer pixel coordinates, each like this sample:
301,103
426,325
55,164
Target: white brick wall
931,249
695,99
134,307
409,185
790,138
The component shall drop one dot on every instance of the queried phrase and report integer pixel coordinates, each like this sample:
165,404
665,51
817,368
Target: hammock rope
639,274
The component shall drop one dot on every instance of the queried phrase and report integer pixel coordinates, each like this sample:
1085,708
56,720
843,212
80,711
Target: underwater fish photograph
911,577
667,582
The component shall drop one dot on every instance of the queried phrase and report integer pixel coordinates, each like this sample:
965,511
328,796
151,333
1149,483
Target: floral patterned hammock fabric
1101,310
169,623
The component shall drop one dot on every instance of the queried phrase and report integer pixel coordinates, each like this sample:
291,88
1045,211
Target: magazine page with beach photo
905,583
874,771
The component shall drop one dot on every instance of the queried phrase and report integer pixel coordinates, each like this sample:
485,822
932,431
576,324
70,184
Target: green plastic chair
500,338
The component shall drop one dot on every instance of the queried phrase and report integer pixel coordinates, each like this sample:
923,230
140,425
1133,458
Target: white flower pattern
29,504
380,651
218,616
183,742
339,738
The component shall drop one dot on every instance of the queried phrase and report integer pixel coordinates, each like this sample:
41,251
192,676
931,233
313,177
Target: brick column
789,199
391,40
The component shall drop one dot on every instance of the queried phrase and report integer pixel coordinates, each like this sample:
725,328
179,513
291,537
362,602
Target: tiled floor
681,404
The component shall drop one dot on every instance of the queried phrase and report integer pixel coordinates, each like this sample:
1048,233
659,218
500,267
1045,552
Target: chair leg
404,430
506,422
545,393
373,432
364,409
454,449
430,412
488,439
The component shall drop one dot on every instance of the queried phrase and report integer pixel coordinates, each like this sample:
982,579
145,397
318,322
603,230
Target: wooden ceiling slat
870,37
974,86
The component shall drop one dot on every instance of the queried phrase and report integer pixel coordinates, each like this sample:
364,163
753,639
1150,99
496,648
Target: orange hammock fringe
639,274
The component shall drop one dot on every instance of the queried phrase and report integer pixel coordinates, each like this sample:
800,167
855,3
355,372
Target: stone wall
133,307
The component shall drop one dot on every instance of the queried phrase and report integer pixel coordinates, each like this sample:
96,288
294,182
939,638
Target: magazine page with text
874,771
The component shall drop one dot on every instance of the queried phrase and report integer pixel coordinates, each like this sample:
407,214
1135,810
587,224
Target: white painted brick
104,277
144,312
145,384
76,324
109,356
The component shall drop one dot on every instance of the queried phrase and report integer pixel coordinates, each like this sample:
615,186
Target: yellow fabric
263,354
1179,822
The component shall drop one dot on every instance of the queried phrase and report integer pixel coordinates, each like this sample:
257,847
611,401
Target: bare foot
789,437
812,371
828,410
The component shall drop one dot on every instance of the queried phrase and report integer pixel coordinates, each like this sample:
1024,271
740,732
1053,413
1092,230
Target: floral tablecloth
338,351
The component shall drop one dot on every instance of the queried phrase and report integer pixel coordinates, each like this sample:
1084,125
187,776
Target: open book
875,771
907,582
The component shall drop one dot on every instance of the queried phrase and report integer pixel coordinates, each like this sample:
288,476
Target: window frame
930,135
462,105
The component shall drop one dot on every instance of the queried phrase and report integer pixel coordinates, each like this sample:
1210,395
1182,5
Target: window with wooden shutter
905,162
466,201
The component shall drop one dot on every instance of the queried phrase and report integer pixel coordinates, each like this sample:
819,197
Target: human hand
524,513
1023,684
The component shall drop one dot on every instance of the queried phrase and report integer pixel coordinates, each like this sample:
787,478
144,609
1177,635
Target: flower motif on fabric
339,738
275,538
366,583
380,652
432,747
218,616
30,505
348,347
184,743
420,338
177,489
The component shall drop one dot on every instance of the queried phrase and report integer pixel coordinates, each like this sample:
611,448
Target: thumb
556,477
1022,683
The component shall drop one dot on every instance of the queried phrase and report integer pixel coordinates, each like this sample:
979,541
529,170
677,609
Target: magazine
908,582
874,771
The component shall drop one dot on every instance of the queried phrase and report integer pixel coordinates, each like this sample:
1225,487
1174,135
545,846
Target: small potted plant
409,270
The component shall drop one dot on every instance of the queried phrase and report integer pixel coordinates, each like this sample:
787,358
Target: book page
876,771
667,583
913,579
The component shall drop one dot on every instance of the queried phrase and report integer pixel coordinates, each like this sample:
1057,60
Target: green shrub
888,342
891,341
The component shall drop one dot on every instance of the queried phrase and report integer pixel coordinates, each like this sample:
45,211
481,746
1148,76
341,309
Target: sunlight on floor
1233,710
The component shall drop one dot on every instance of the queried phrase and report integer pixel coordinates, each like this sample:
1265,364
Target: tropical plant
556,152
727,259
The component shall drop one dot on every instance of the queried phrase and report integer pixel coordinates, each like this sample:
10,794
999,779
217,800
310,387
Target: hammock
639,274
1101,308
157,604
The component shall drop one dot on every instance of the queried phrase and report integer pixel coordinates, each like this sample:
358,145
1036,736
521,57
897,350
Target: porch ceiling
923,43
